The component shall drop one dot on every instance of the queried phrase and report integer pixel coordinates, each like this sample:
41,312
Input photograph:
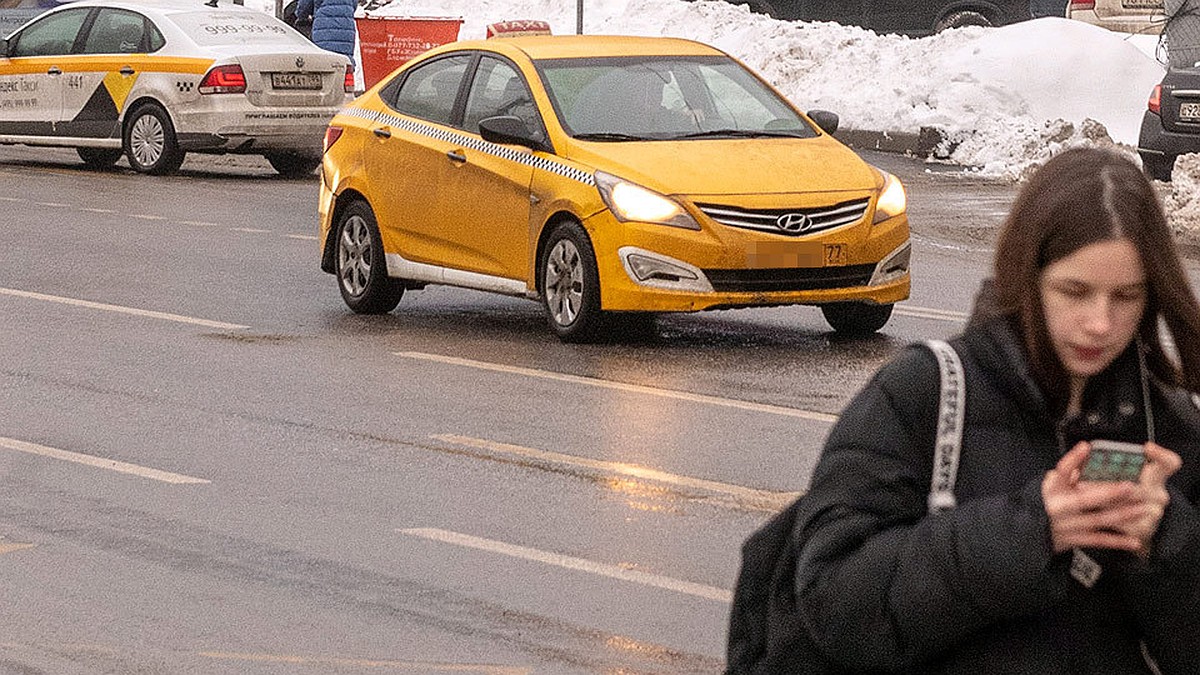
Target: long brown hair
1081,197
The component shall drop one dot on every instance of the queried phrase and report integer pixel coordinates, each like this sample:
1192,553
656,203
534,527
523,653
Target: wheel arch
343,200
992,13
138,102
552,224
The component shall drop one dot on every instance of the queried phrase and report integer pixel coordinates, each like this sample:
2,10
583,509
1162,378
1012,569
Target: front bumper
658,268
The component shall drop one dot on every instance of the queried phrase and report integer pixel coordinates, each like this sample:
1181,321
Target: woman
1035,571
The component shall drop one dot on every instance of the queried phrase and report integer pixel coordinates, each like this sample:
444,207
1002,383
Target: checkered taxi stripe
412,126
183,87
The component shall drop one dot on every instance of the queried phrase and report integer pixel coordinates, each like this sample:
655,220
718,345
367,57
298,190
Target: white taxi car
155,80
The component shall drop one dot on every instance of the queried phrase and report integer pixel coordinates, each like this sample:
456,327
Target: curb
925,143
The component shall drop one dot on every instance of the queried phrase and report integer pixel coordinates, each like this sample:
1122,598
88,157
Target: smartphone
1113,460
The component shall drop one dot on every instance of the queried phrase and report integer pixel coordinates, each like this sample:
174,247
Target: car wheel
1159,168
856,318
360,265
293,164
99,158
150,142
961,19
571,285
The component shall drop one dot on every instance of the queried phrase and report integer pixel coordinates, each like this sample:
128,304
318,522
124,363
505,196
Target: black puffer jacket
884,587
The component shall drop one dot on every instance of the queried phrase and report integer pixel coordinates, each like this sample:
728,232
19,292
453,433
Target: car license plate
1189,112
296,80
835,254
1142,4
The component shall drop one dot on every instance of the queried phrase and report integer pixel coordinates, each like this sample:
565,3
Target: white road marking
413,666
94,210
146,216
123,310
199,223
568,562
768,498
305,237
11,199
620,386
930,313
55,204
252,230
99,462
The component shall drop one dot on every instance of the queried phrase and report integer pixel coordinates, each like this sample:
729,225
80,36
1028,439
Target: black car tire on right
856,318
1159,168
961,19
360,266
150,142
570,285
293,164
99,158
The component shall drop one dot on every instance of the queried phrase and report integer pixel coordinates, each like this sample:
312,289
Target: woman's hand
1100,514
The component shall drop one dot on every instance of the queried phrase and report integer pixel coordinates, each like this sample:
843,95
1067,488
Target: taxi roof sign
518,28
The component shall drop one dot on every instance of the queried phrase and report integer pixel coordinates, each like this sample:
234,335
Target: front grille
814,219
789,278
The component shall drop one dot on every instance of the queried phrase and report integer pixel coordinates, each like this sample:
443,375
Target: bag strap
952,403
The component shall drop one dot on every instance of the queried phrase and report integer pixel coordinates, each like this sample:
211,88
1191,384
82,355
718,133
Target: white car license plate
1189,112
296,80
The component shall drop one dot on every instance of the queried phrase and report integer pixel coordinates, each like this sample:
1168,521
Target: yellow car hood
732,166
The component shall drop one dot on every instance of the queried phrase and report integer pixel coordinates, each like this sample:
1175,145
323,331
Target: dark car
906,17
1171,123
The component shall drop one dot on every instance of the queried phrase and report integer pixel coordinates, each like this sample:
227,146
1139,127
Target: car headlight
632,202
892,200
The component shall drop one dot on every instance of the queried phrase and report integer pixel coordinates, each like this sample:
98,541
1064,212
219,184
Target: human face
1094,300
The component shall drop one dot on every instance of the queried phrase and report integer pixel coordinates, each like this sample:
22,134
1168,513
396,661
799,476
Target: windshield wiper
610,136
744,133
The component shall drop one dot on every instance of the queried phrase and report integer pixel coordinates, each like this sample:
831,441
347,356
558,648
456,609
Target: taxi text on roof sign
518,28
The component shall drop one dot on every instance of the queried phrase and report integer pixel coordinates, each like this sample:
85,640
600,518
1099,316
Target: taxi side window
430,91
51,36
116,31
498,89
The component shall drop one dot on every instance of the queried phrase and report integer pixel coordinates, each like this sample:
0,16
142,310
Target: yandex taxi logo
119,86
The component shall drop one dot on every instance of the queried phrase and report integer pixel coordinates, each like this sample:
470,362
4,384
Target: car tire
570,285
150,142
856,318
99,158
1159,168
293,164
961,19
360,265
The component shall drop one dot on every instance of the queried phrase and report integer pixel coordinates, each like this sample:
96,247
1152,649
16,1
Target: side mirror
827,121
509,130
3,48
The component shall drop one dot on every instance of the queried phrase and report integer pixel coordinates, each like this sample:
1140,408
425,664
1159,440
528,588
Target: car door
490,216
31,82
98,81
846,12
407,157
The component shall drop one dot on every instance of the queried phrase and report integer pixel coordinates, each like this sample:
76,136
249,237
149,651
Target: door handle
456,156
382,132
126,70
54,70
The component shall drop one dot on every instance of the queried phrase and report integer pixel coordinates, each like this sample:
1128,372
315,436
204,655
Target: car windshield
211,29
665,98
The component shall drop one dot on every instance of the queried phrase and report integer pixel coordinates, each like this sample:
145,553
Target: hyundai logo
299,61
793,223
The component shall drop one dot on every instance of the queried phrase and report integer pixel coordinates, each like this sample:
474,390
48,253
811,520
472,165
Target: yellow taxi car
611,178
153,80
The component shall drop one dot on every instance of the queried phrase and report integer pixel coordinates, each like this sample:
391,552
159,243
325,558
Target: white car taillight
228,79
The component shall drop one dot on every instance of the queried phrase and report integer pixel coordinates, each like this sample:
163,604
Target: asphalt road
208,465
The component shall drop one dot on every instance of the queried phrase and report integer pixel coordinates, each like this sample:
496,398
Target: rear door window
430,90
116,31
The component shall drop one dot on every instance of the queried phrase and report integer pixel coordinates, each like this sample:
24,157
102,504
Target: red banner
389,42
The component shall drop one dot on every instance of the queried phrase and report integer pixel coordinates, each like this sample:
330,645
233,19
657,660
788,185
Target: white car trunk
294,80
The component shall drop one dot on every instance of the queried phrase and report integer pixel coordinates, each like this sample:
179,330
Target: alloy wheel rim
147,140
564,283
354,256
